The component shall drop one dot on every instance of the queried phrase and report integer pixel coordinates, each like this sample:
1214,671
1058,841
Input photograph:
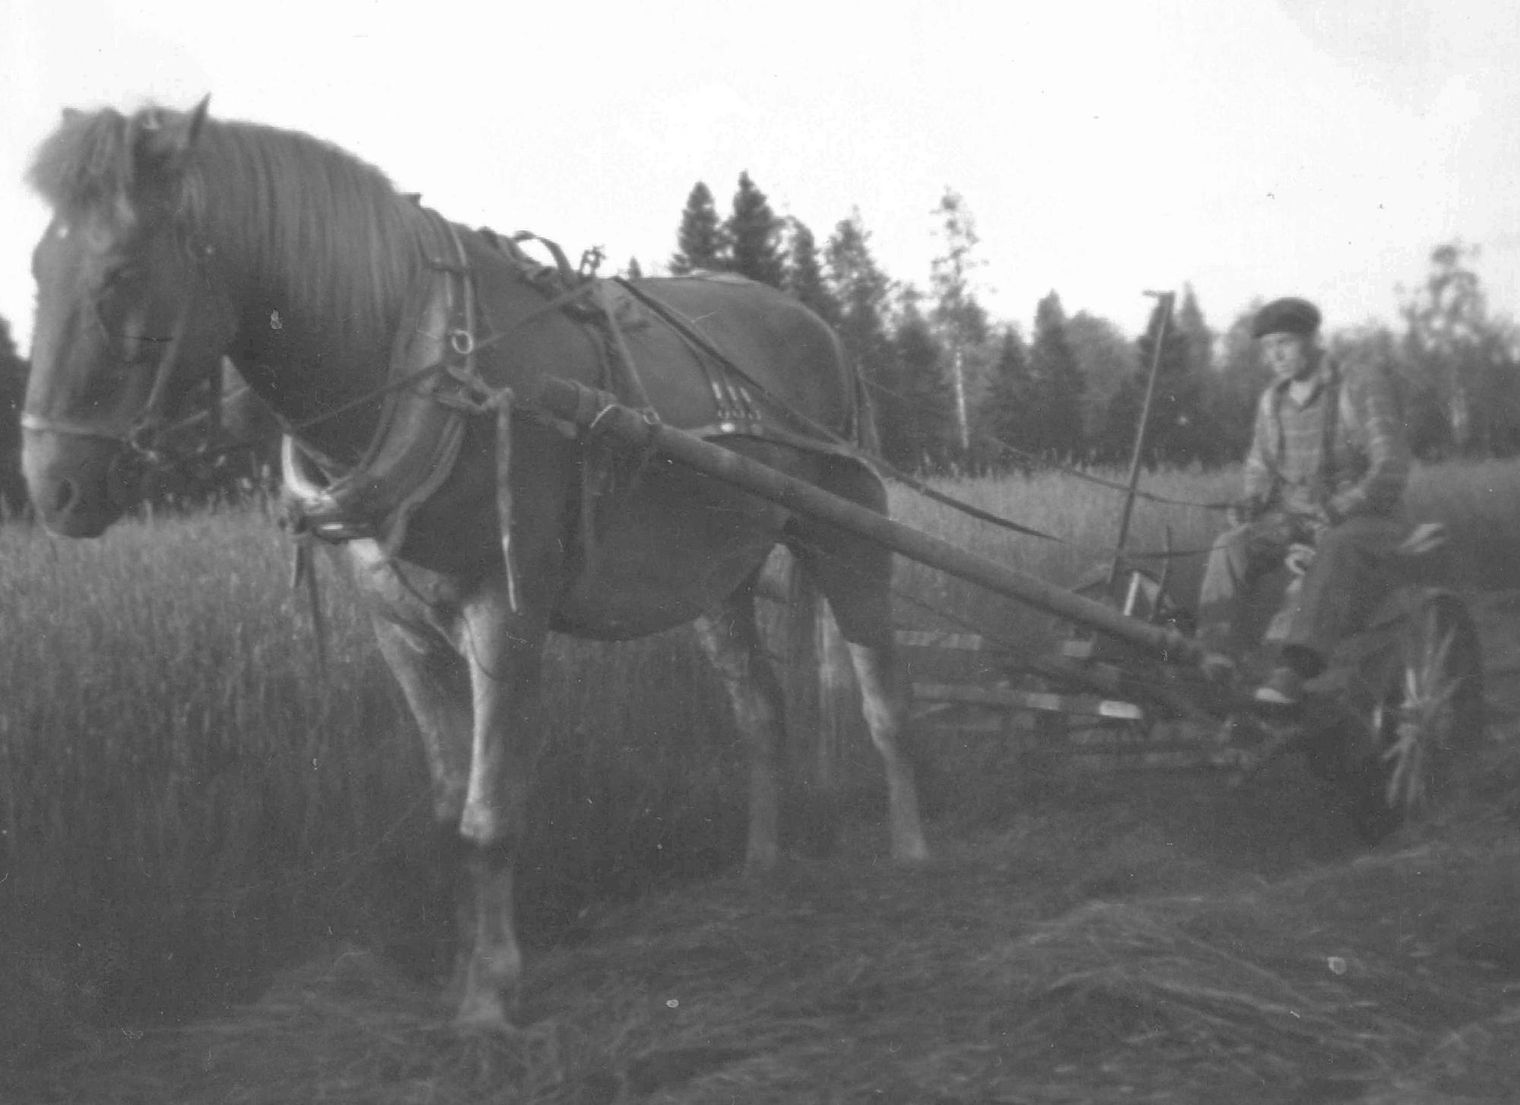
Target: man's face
1289,356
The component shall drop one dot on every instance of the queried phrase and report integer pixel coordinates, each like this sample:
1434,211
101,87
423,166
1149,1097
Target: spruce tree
1106,358
1178,432
920,430
804,273
1195,330
862,292
1058,385
753,234
1007,411
699,241
1113,441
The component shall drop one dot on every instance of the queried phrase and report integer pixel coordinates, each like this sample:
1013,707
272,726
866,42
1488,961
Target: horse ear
178,138
159,143
193,123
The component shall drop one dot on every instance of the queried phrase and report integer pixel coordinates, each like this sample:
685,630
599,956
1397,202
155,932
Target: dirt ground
1160,938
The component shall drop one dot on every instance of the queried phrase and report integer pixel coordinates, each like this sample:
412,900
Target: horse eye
119,276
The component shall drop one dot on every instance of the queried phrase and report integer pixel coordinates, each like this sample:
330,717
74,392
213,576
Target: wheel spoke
1421,720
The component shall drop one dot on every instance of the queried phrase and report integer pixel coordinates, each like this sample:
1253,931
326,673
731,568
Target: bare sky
1251,147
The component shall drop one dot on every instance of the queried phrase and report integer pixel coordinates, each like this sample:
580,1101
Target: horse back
710,353
780,357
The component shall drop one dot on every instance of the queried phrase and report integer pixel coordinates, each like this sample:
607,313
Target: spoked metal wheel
1424,708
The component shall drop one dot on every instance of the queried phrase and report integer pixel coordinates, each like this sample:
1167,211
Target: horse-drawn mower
1396,703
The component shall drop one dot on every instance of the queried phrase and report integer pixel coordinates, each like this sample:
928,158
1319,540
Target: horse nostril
65,496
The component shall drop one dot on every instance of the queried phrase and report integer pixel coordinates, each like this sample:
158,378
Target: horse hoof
758,861
484,1014
911,854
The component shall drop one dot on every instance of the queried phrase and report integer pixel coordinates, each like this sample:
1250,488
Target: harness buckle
142,439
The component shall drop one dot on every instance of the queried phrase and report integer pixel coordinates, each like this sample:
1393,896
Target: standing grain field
187,799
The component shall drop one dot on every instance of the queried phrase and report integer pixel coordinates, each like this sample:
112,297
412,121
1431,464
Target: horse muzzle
79,485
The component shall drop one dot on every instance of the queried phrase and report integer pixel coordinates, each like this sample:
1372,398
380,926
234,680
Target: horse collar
422,419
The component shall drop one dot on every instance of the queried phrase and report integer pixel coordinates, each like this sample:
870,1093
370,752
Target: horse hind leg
884,704
731,642
855,575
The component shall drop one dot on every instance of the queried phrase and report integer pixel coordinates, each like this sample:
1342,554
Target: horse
400,353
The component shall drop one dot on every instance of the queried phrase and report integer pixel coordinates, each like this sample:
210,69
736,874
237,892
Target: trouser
1342,587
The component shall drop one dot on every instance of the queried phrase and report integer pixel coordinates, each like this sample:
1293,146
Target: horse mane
313,225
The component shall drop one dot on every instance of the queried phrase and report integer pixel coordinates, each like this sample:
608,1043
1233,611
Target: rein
210,414
149,436
693,336
442,364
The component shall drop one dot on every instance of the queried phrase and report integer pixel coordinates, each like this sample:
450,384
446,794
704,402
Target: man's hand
1242,511
1317,522
1299,557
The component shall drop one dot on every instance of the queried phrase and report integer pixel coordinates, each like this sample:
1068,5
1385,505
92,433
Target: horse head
129,313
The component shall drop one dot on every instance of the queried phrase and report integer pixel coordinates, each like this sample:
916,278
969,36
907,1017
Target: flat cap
1290,315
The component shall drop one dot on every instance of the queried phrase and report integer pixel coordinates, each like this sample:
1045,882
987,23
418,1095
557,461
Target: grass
194,820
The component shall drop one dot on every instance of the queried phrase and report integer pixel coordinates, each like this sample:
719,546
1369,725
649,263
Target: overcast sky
1250,147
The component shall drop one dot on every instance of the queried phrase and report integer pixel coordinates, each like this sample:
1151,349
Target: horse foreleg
436,684
732,643
505,657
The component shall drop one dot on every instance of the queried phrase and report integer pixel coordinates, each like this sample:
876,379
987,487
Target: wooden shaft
572,401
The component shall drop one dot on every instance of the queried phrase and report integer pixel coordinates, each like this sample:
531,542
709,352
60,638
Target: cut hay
986,977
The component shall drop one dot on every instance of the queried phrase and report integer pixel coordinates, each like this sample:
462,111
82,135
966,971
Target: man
1324,481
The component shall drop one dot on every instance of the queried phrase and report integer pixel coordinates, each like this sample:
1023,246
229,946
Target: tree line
957,391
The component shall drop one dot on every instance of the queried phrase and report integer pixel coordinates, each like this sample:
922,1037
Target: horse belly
668,551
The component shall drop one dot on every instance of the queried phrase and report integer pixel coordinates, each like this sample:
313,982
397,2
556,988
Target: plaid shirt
1368,457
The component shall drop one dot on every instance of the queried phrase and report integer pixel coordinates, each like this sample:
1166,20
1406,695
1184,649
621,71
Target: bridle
150,437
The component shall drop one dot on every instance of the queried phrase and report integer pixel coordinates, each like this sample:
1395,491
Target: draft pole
1166,299
601,414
